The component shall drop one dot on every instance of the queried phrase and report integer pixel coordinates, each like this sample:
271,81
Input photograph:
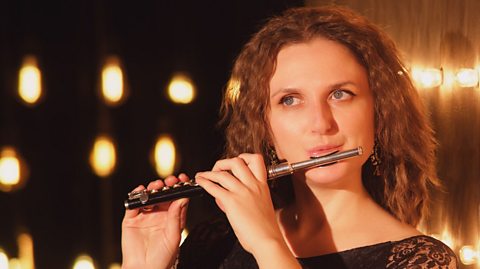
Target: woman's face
320,102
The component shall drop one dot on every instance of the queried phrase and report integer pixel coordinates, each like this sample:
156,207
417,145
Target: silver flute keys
191,188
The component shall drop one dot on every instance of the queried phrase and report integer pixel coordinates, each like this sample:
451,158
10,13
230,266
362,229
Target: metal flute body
191,188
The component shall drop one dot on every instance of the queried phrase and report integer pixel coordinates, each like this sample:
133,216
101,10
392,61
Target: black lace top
215,246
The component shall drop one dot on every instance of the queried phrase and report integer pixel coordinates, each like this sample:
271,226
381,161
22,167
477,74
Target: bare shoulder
386,227
421,251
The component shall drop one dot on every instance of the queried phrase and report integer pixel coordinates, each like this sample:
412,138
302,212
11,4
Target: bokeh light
164,155
181,89
103,156
30,81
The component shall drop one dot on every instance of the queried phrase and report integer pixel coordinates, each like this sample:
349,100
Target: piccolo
191,188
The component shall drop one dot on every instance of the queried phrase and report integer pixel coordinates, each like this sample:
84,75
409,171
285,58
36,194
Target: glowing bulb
467,77
9,167
181,90
13,170
30,81
103,156
83,262
427,78
164,156
468,255
25,251
112,81
3,259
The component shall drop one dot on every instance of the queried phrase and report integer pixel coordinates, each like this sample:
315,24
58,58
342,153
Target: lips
323,150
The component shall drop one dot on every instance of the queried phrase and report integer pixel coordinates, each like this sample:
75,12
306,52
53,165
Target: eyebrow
284,90
333,86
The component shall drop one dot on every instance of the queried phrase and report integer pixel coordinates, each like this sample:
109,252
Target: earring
375,159
272,156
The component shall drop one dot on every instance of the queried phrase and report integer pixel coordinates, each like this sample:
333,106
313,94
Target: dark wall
64,206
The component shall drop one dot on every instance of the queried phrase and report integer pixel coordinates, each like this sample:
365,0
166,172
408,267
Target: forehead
319,58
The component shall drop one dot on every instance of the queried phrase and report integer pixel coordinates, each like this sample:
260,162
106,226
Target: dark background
64,206
68,210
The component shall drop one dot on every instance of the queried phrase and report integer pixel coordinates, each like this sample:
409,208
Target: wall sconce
427,77
467,77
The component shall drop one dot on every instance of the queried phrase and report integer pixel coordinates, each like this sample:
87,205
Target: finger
209,186
223,178
237,167
176,216
183,177
256,165
155,185
171,180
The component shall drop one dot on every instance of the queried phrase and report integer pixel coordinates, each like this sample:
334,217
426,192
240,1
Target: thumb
176,216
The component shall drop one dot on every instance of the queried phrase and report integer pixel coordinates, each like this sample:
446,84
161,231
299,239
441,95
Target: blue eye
290,100
338,94
341,95
287,100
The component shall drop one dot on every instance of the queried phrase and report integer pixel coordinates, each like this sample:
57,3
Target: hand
240,188
151,236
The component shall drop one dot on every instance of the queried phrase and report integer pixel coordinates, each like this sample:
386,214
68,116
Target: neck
331,206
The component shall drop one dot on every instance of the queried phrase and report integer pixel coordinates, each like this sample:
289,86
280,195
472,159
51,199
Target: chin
329,174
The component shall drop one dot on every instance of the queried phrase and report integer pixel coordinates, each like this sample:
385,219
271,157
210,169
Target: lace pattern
421,252
214,245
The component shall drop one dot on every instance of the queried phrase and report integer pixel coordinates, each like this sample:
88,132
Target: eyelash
284,98
349,94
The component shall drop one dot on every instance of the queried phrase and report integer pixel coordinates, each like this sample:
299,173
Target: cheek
283,133
361,127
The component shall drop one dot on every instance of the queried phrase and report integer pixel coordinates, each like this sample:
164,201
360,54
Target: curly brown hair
402,131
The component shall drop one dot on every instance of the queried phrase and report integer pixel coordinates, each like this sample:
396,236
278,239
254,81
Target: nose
322,119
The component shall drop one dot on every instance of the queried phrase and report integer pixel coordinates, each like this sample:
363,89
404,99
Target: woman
311,82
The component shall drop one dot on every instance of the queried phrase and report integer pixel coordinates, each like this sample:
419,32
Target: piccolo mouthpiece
283,169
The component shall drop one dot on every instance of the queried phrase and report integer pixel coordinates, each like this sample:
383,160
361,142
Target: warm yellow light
428,77
115,266
15,263
181,89
3,259
30,81
449,79
112,81
164,156
467,77
83,262
233,90
468,255
447,238
103,156
25,251
9,167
